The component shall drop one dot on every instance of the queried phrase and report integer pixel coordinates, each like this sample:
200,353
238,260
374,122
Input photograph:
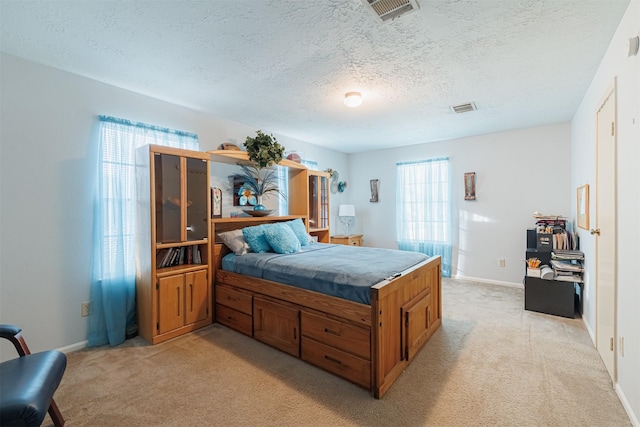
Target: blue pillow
255,238
299,230
281,238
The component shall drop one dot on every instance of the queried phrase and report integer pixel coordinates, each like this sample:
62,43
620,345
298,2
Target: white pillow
235,241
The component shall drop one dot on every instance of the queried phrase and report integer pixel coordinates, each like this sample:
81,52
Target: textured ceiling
283,66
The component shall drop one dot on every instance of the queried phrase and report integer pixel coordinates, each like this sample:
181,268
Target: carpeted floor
490,364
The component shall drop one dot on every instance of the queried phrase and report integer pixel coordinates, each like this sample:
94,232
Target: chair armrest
7,331
12,333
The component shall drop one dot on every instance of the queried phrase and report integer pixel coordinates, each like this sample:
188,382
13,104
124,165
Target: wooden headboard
220,225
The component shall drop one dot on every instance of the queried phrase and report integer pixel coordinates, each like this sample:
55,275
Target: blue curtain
423,209
113,306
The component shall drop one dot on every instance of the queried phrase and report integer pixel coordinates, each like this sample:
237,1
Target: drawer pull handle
329,331
331,359
178,293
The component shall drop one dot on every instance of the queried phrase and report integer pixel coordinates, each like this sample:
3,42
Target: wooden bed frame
367,345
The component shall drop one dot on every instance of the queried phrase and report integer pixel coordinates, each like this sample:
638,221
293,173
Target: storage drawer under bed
338,362
234,319
340,335
235,299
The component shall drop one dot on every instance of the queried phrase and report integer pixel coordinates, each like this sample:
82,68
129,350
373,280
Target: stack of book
170,257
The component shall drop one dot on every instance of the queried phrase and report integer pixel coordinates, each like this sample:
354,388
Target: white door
605,231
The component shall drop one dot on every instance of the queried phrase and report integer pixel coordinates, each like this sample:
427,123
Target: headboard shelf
220,225
242,157
260,220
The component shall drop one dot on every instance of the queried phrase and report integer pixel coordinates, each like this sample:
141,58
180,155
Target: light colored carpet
490,364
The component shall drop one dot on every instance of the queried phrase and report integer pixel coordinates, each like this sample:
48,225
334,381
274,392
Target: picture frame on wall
470,186
375,188
582,208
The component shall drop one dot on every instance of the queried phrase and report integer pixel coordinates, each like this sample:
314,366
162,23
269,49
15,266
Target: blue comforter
342,271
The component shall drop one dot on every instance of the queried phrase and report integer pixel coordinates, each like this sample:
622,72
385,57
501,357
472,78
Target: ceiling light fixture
352,99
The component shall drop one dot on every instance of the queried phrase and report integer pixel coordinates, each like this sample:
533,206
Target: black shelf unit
555,297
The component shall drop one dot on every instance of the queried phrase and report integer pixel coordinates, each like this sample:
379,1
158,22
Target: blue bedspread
342,271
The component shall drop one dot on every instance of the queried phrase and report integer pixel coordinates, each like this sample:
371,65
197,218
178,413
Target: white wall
626,71
48,124
517,173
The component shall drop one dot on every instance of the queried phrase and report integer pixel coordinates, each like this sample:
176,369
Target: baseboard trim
627,406
74,347
489,281
589,330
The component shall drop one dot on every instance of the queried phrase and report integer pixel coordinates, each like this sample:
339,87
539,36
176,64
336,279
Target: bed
365,325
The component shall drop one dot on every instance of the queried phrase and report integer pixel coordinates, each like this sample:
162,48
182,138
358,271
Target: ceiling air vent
387,10
463,108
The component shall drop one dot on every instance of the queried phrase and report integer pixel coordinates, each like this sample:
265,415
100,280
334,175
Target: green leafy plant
264,150
256,184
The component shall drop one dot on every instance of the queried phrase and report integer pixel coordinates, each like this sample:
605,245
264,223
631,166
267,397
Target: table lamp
347,213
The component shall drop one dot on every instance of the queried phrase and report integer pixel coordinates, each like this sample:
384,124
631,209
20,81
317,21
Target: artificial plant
264,150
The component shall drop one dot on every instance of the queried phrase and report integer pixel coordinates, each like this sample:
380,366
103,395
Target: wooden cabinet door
318,210
197,199
196,296
277,325
170,303
417,319
168,195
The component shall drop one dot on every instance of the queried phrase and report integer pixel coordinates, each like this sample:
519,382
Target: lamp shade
347,210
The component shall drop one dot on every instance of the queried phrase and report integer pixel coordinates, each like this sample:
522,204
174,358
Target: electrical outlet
85,307
502,262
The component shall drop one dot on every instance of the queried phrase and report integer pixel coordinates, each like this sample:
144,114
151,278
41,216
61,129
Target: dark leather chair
28,382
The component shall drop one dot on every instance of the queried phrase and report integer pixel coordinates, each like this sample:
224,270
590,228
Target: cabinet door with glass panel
319,209
181,199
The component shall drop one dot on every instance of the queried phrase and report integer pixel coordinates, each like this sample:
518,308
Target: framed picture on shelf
236,184
582,210
216,202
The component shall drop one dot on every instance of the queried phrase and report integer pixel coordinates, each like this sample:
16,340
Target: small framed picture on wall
375,188
583,206
470,186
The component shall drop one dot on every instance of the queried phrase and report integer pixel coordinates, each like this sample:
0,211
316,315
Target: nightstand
351,240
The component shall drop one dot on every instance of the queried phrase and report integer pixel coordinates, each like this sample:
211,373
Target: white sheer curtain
113,310
283,184
423,209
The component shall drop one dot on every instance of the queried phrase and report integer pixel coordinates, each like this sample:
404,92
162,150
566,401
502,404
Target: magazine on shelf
568,278
565,265
567,254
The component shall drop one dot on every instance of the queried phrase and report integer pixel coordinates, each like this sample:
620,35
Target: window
283,184
423,209
113,277
310,164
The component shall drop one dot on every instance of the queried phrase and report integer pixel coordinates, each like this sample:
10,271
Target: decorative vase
259,206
